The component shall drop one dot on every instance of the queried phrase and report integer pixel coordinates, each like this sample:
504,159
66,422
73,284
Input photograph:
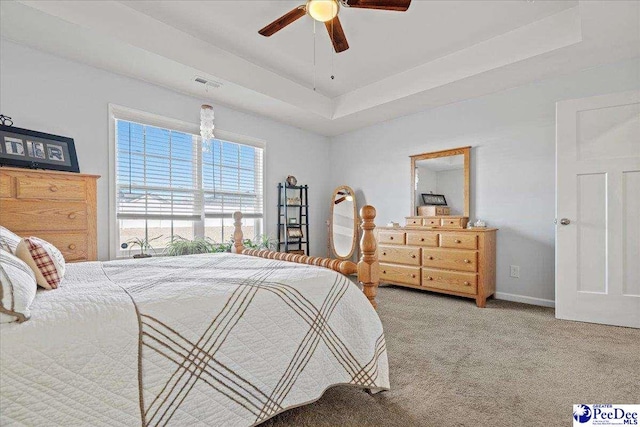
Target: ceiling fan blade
339,40
283,21
397,5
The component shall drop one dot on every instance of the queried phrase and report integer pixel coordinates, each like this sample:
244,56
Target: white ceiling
436,53
382,43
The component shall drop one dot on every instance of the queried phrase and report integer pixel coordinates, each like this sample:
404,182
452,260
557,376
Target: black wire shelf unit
293,236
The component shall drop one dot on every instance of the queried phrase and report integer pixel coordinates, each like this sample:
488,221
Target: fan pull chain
333,53
314,55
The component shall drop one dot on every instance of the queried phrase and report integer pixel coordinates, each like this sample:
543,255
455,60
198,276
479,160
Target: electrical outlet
515,271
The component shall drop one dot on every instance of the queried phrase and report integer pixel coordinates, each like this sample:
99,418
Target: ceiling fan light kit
327,11
322,10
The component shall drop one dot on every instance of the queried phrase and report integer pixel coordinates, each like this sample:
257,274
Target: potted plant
263,241
203,245
200,245
143,243
181,246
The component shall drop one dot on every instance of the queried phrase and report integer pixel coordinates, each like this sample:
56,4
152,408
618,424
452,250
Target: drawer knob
72,246
467,261
457,241
384,271
413,276
467,283
429,278
413,256
390,237
72,216
384,253
422,239
429,257
53,188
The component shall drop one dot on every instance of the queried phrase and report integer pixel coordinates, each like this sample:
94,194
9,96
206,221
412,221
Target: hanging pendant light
206,122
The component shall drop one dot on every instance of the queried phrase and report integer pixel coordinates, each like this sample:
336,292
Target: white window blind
164,174
232,179
157,173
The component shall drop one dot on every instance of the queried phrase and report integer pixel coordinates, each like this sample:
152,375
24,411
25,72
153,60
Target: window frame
118,112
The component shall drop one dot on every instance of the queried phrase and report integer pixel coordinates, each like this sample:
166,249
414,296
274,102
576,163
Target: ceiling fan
327,11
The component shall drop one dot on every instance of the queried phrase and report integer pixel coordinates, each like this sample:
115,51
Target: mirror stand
343,223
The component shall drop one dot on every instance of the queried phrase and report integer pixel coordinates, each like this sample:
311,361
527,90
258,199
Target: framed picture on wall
434,199
26,148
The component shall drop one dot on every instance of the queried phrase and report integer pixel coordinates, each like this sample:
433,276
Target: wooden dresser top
48,172
456,230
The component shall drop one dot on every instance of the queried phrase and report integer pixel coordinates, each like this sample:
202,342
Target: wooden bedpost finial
237,247
368,267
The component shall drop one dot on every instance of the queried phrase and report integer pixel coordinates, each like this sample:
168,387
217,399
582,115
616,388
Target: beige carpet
509,364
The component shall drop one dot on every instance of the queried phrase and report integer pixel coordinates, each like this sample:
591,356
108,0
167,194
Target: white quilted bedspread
218,340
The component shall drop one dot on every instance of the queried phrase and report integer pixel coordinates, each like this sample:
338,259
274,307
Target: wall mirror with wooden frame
343,225
440,183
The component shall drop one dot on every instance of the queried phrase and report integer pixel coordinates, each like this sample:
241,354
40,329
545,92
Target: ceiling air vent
208,83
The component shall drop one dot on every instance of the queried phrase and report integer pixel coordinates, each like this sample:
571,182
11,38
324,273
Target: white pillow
8,240
18,287
45,260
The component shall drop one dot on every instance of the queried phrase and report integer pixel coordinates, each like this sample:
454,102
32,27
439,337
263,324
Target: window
168,184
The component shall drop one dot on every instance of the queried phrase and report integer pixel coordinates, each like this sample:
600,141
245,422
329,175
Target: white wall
54,95
512,165
512,134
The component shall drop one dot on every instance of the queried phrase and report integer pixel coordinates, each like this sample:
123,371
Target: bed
217,339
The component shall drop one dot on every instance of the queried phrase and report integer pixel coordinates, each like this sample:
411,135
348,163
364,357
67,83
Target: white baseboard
525,299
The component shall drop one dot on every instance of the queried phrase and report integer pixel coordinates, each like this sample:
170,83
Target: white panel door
598,209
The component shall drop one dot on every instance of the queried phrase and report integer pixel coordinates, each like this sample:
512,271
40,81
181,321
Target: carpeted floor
509,364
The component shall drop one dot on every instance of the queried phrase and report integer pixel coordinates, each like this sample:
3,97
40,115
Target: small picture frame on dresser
434,199
30,149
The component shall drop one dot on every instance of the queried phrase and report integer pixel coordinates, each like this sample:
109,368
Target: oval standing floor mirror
343,226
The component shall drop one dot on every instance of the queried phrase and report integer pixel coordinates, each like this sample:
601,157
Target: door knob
565,221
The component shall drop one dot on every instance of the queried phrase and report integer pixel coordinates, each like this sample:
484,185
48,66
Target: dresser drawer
399,274
451,281
72,245
26,215
419,238
391,237
459,241
414,221
431,222
5,186
50,188
399,254
450,259
454,222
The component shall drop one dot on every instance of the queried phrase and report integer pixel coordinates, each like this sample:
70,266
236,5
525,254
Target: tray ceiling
398,63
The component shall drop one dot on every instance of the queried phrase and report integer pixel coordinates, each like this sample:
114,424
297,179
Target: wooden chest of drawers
453,261
59,207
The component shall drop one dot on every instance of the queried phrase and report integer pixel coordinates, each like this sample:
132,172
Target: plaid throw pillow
45,260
